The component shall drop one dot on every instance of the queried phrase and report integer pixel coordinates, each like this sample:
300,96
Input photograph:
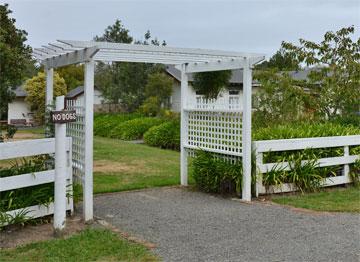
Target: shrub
166,135
215,175
103,123
135,128
303,130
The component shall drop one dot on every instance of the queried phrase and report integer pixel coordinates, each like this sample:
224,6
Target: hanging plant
211,83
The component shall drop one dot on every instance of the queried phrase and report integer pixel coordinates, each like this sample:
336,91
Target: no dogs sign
64,116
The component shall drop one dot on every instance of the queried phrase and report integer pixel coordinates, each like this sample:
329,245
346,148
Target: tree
14,55
35,88
281,99
282,61
335,78
124,82
211,83
73,75
159,85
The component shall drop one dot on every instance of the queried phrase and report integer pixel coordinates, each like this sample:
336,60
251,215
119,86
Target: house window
234,92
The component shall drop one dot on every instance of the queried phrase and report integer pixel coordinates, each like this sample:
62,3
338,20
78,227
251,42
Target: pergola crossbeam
75,57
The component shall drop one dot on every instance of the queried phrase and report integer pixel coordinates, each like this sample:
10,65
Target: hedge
135,128
166,135
103,123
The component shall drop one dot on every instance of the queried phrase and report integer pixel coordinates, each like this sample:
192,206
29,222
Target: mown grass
121,165
89,245
335,200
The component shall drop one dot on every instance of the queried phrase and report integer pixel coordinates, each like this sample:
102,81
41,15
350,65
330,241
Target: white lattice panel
225,101
214,131
76,130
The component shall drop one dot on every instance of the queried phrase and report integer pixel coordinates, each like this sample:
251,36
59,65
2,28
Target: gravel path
192,226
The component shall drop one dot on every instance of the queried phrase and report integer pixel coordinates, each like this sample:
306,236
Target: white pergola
188,60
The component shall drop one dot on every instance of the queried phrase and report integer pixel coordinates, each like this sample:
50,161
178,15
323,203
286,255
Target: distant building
78,94
19,112
234,90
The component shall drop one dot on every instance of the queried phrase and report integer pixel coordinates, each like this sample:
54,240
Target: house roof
236,77
20,92
77,91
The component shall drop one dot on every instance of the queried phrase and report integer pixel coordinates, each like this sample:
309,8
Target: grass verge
334,200
121,165
89,245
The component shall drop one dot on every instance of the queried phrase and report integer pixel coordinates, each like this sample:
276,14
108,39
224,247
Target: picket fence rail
282,145
27,148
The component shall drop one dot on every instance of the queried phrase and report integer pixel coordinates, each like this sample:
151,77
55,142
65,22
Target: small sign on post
63,116
60,117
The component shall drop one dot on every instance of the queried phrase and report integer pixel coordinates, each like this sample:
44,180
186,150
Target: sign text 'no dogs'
64,116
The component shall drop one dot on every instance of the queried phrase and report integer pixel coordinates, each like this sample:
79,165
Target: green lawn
89,245
121,165
335,200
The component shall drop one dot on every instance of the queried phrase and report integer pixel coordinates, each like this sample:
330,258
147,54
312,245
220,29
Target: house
78,94
234,90
19,112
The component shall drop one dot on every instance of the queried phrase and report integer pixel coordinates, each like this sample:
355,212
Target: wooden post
346,166
246,132
49,95
183,128
49,86
60,172
89,118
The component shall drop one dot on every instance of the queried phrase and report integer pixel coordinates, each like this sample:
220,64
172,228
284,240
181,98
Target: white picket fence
282,145
28,148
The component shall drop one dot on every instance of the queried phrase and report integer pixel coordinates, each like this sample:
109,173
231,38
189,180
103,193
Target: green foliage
73,75
215,175
166,135
282,61
335,82
335,200
304,173
151,106
211,83
35,88
159,85
280,99
134,129
104,123
7,132
355,172
95,245
124,82
303,130
14,57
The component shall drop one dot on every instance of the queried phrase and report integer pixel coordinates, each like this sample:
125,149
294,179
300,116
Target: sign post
60,117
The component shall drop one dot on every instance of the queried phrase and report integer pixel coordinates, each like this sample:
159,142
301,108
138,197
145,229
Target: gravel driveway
192,226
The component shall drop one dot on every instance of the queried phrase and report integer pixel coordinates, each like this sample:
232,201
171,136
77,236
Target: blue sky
246,26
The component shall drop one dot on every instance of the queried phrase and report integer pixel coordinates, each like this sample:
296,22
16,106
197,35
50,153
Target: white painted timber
69,58
246,132
26,180
38,210
49,86
60,170
183,128
301,144
34,147
62,53
27,148
88,154
221,64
